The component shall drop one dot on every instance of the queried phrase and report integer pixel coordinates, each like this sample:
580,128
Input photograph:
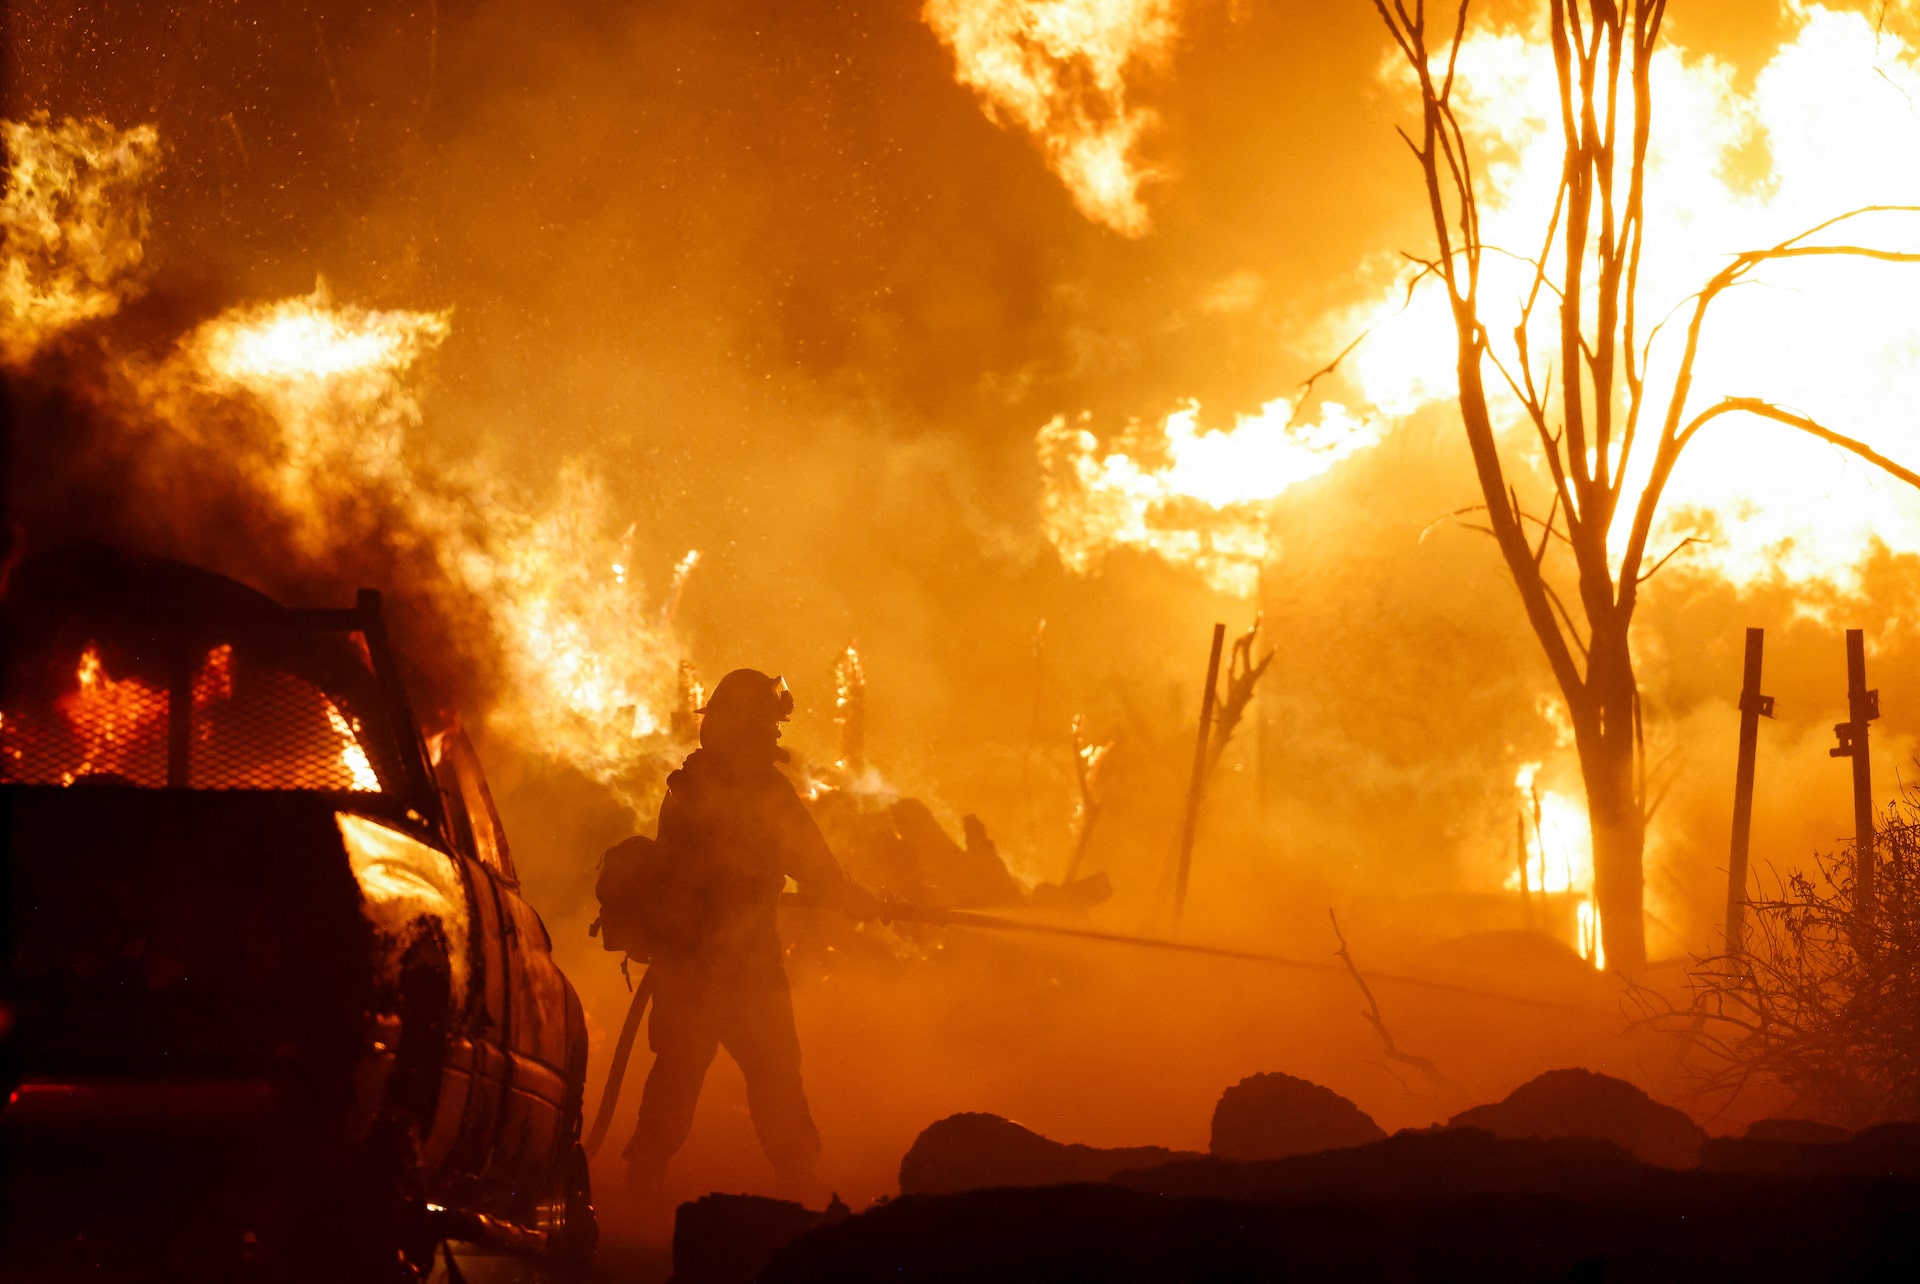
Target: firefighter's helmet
750,696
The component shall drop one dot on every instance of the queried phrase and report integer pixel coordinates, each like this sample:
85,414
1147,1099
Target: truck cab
270,998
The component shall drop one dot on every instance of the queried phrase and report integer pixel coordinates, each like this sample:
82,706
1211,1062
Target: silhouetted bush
1825,999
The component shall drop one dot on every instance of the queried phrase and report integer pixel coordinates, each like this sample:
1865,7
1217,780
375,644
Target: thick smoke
769,276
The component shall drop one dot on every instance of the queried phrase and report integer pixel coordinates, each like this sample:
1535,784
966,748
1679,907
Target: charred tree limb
1392,1049
1243,675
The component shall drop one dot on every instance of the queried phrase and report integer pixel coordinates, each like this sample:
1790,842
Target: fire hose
617,1070
902,912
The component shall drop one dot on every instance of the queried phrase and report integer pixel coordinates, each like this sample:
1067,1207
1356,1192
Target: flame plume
74,222
1200,499
1828,126
315,406
589,670
850,710
1058,69
1559,853
331,389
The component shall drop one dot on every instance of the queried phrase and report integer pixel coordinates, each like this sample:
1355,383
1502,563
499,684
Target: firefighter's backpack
647,904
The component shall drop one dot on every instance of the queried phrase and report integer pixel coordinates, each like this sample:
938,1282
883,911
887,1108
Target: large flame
1198,498
327,396
73,219
333,385
591,671
1058,69
1828,126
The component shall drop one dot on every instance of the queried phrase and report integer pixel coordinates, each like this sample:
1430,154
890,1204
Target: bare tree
1589,425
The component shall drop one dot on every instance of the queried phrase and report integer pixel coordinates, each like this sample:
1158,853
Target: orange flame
591,672
1200,499
214,681
1828,126
850,708
1560,857
352,756
1058,69
324,397
115,718
73,220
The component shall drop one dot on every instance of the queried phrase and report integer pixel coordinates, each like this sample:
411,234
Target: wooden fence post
1198,781
1863,706
1753,707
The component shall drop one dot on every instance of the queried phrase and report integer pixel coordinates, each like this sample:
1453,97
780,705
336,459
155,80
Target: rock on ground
1271,1116
727,1239
1802,1132
1581,1103
973,1151
1450,1205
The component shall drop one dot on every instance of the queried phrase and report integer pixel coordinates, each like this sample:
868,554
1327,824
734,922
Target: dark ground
1453,1204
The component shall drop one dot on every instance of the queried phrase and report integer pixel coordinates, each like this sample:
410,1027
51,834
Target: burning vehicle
269,985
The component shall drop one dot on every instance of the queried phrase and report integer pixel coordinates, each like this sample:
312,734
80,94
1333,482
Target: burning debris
850,712
1087,758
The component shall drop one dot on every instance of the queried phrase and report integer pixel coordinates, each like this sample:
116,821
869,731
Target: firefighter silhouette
734,828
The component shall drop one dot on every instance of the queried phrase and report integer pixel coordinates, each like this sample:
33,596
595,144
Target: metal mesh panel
262,728
251,726
103,730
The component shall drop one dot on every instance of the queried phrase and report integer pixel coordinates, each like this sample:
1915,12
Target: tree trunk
1604,734
1619,846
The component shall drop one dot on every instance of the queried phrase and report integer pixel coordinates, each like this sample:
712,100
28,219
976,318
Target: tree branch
1673,438
1424,1065
1767,410
1691,539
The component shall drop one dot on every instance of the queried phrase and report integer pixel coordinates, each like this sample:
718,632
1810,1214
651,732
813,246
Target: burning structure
924,326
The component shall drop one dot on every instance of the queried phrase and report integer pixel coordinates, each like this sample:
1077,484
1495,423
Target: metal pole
1863,706
1263,737
179,714
1198,781
1753,707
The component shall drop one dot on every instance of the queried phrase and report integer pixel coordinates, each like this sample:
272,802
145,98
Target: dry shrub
1824,1003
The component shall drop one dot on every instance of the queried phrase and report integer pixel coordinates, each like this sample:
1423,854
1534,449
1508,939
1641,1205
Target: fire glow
326,396
590,672
1196,498
1827,127
1058,69
115,717
1559,857
73,219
